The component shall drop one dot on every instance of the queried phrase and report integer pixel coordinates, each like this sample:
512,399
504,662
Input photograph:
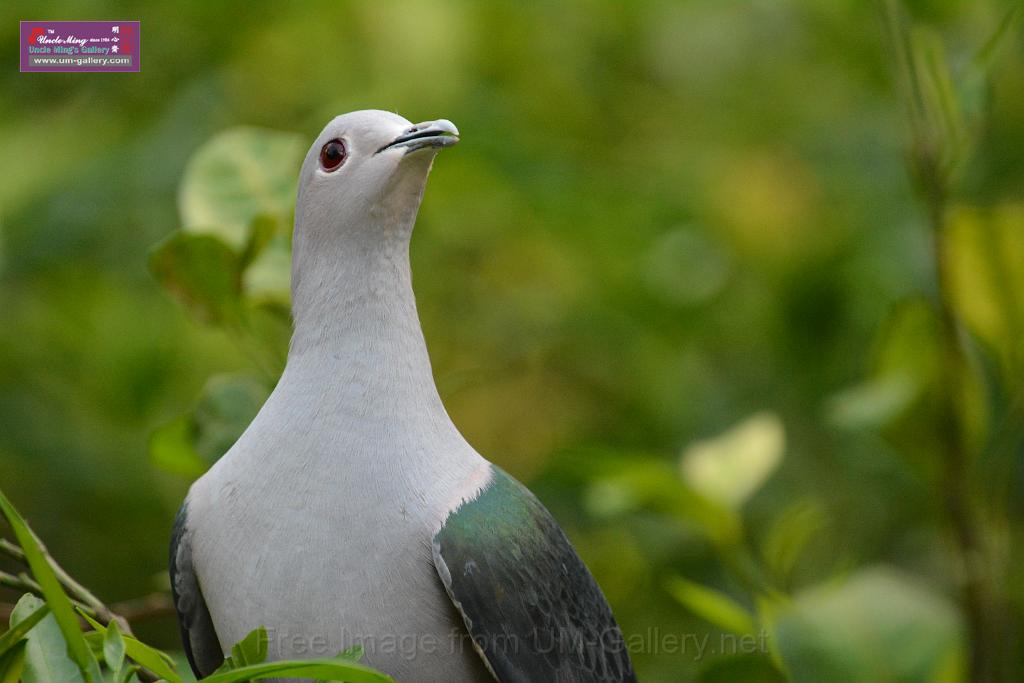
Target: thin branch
146,607
77,592
24,583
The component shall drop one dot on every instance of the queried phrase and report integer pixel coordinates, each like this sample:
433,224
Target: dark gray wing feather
533,609
202,646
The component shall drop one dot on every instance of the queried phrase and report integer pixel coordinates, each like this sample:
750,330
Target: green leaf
632,485
353,654
790,533
202,273
58,601
329,669
247,657
731,467
712,605
46,651
189,444
126,673
12,663
268,279
876,626
19,630
873,403
262,231
158,662
984,258
905,366
237,176
113,647
250,650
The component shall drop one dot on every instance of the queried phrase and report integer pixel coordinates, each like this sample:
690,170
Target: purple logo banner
80,46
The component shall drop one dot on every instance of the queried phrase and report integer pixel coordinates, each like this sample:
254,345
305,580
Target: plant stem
979,611
25,584
79,593
90,605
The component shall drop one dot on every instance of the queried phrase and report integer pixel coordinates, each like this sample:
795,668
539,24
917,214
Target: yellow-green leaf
712,605
731,467
237,176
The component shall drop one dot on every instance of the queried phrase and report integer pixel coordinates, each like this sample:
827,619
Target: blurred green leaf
263,229
975,81
189,444
873,403
58,601
878,625
12,663
18,630
791,531
731,467
236,176
46,652
984,257
712,605
634,485
268,279
905,366
201,272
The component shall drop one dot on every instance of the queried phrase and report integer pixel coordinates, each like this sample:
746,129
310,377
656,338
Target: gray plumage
352,511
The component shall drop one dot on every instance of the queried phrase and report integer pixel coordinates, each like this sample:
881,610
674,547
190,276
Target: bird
352,511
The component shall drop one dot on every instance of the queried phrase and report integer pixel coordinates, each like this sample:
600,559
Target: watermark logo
82,46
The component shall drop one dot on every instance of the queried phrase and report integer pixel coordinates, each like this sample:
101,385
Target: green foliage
202,272
247,657
237,176
57,600
13,637
714,226
876,625
713,605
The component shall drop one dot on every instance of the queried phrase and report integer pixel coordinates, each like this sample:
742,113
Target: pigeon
351,511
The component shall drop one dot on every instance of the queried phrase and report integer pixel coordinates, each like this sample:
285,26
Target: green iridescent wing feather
531,606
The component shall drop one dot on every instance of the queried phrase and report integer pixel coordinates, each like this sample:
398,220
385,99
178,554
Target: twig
146,607
21,582
957,480
79,593
80,596
933,152
26,584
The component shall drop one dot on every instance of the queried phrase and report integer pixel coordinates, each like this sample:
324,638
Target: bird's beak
441,133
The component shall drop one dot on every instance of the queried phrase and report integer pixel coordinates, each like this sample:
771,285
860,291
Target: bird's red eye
333,155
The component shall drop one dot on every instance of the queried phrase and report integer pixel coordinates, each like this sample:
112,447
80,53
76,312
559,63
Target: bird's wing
197,634
531,606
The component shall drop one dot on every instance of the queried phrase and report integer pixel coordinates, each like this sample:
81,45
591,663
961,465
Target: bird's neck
358,347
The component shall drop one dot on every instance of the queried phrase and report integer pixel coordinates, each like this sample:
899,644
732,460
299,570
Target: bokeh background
677,277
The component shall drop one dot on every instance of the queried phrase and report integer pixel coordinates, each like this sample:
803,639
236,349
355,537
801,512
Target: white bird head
365,165
360,188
